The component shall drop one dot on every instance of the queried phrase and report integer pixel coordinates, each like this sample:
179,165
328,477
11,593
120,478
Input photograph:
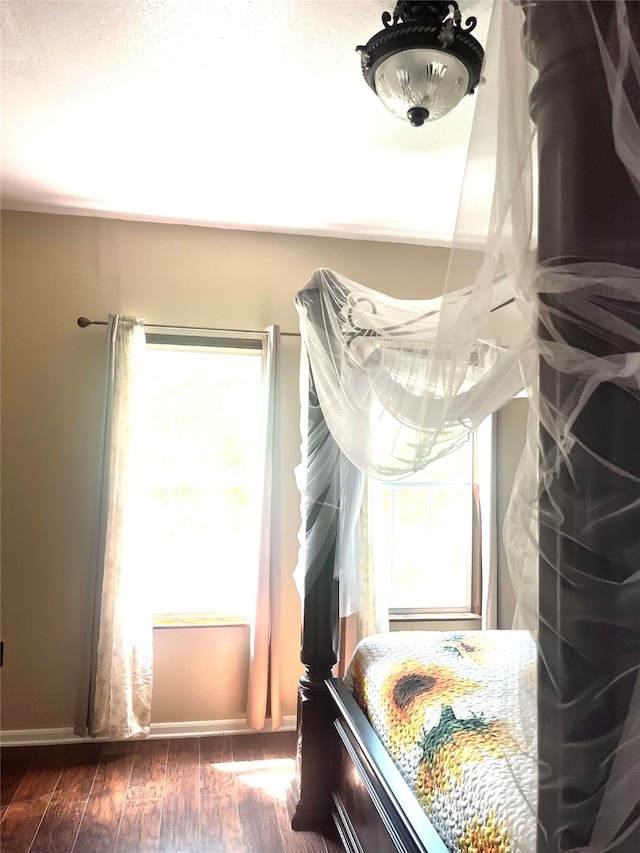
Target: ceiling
249,115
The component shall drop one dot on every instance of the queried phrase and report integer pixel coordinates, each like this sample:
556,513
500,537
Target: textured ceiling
251,114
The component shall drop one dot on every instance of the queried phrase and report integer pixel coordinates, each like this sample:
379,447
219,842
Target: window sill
435,617
460,622
197,620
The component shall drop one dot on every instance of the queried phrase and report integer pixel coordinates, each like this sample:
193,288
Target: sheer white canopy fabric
394,392
401,383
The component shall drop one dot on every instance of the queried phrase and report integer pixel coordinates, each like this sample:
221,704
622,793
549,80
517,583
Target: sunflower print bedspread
451,710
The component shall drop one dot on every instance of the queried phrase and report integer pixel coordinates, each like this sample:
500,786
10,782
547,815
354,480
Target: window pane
422,535
203,413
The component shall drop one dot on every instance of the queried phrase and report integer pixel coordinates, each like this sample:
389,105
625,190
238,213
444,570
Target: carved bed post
588,210
319,652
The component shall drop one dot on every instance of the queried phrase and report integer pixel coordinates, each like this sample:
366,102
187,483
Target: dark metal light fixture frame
431,25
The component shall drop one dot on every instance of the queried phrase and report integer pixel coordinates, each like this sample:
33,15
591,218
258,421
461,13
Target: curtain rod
83,322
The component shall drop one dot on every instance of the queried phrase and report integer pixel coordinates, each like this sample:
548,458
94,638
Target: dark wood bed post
588,210
319,650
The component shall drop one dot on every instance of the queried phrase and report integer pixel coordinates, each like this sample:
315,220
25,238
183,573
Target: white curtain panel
264,666
121,679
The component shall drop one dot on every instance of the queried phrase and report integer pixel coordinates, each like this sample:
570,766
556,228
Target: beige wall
512,428
54,269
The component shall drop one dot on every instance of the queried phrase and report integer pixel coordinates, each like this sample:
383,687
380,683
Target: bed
581,644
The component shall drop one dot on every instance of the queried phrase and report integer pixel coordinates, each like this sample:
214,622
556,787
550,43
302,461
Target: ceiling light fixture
425,62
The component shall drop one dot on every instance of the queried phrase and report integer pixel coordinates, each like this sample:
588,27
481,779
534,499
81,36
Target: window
203,413
426,532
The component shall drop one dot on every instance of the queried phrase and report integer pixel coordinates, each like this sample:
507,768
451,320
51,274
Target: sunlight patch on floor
271,776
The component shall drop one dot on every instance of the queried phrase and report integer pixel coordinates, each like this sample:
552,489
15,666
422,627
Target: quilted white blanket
451,710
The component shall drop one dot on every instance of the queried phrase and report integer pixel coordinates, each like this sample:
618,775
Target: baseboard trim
196,728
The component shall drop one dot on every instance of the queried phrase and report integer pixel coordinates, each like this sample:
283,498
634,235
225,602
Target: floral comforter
451,710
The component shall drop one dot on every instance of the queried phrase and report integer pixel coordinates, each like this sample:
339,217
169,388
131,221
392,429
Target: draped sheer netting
402,383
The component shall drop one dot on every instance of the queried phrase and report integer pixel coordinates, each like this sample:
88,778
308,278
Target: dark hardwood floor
187,795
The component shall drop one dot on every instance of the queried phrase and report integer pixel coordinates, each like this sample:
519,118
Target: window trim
234,341
484,437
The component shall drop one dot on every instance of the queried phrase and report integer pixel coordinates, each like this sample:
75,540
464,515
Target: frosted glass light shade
423,80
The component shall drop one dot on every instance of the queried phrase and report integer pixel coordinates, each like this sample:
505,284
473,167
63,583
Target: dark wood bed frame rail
588,210
373,807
